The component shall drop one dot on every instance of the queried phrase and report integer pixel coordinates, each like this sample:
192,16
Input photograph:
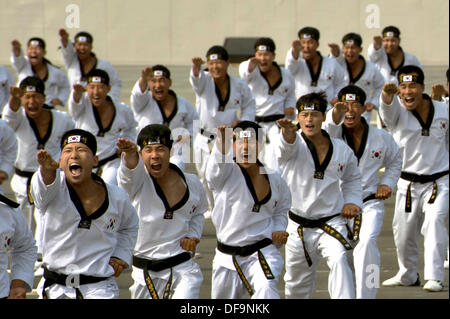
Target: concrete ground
180,76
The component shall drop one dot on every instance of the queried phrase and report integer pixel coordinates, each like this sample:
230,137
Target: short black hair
155,134
160,67
244,125
40,40
219,50
352,36
408,69
268,42
88,36
34,81
393,29
313,32
79,136
318,99
99,73
360,95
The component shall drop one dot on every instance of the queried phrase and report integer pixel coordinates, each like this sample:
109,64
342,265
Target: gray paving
180,76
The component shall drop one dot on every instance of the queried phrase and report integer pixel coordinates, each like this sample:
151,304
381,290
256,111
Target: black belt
52,277
317,223
102,162
245,251
28,176
423,179
159,265
269,118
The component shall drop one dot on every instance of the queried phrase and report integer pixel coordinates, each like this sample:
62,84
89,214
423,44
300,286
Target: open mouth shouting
75,169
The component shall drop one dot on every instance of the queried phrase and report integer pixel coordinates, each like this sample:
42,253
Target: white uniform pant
365,256
201,156
186,281
226,283
32,216
430,220
300,278
106,289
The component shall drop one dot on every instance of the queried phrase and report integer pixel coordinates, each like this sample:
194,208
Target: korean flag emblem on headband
96,79
350,97
245,134
306,36
309,107
74,139
82,39
34,43
158,73
262,48
30,88
213,57
407,78
389,34
350,42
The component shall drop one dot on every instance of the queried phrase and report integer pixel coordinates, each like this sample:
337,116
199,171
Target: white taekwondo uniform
314,199
370,80
75,243
161,229
29,143
423,155
181,122
76,74
8,149
329,77
271,102
381,60
214,112
377,150
17,242
123,124
56,82
6,80
242,220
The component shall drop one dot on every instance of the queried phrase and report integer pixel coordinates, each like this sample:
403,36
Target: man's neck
221,81
397,53
89,58
318,139
355,64
105,105
423,107
315,59
164,102
43,117
357,130
253,169
87,188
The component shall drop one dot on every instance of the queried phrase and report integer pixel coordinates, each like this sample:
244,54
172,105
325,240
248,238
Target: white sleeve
290,100
286,151
8,149
130,131
43,194
138,99
339,59
14,119
375,56
248,106
335,130
338,81
292,64
19,63
197,221
390,114
198,83
131,180
63,87
9,81
69,54
392,162
377,87
77,109
244,73
218,168
280,215
127,232
351,181
24,251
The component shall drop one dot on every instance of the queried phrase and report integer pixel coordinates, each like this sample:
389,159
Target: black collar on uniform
223,102
277,84
319,168
84,77
425,126
251,187
167,120
349,139
170,210
8,202
394,71
353,80
85,221
102,130
315,76
43,140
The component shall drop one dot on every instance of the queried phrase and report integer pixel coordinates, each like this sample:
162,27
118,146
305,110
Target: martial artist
6,81
375,149
37,127
219,97
89,226
8,152
313,72
273,89
153,102
93,110
250,216
57,87
17,243
388,55
79,60
419,125
170,205
323,174
358,71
